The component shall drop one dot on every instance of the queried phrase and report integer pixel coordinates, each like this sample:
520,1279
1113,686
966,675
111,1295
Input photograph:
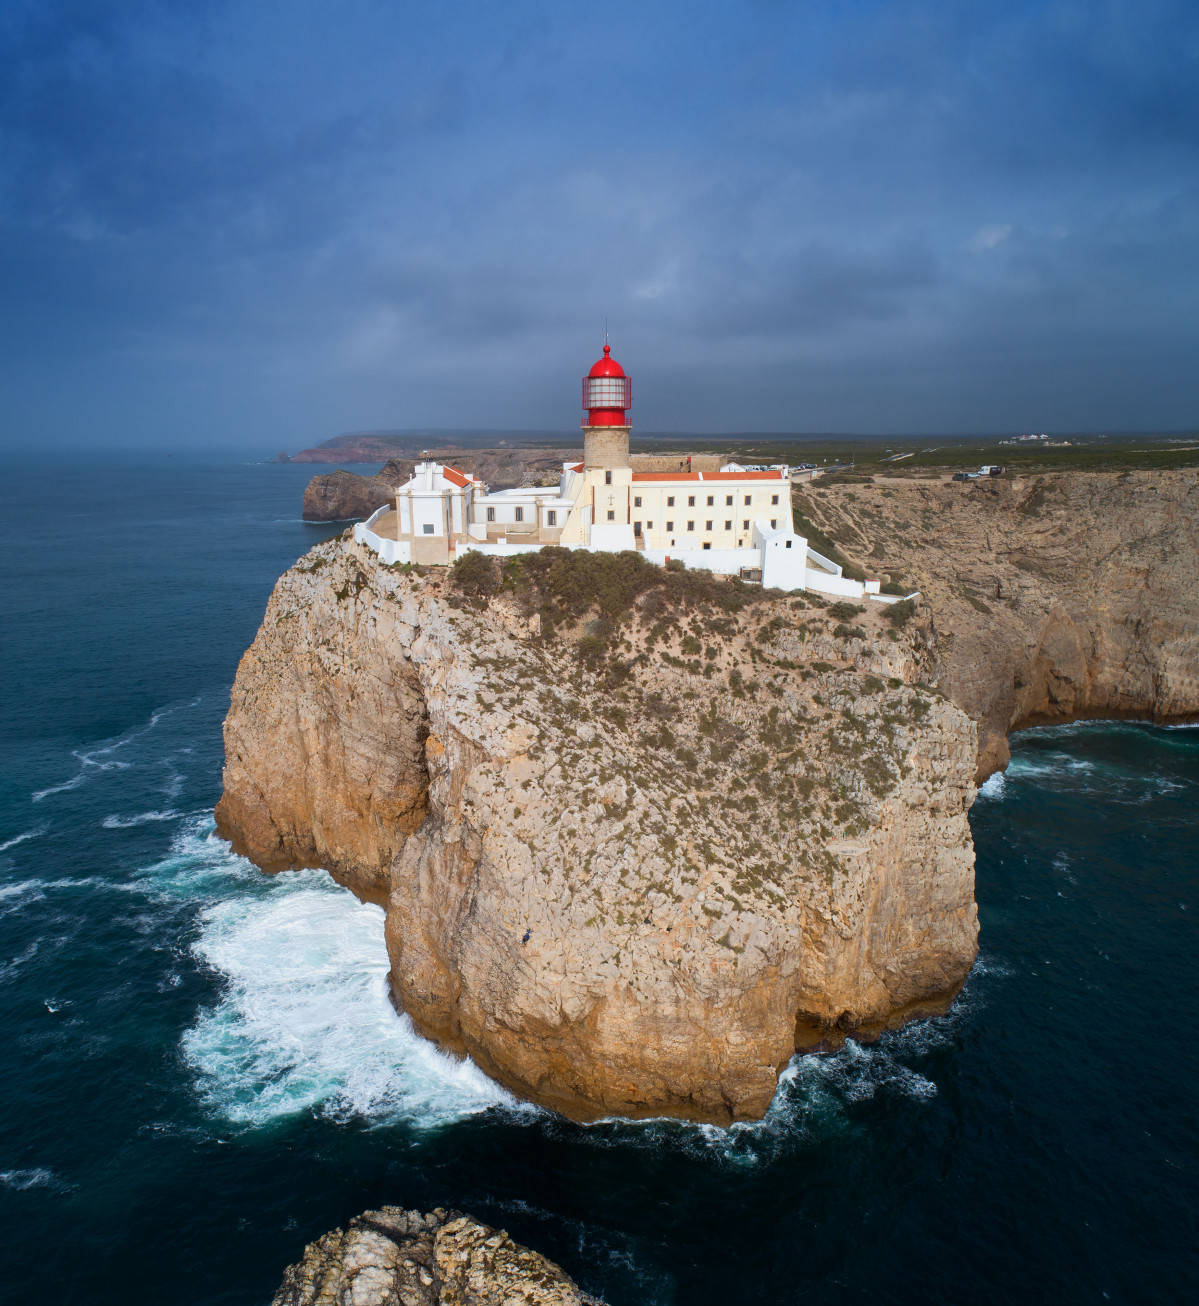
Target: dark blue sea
201,1070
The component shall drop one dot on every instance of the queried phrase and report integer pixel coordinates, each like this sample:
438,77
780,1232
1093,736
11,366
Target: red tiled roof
455,477
578,467
708,478
666,476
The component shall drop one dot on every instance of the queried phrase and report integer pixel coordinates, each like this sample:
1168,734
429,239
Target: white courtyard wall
785,568
612,537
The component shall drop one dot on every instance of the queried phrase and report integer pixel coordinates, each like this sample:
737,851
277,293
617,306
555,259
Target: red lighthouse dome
607,393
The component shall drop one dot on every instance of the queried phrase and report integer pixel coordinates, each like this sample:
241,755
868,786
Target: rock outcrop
393,1257
1055,597
640,834
346,496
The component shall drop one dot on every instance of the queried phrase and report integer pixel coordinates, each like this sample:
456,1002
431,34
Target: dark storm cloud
275,222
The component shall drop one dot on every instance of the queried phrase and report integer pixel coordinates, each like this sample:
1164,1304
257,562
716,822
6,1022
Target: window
611,515
747,500
691,526
788,544
707,525
520,514
649,526
728,526
491,514
691,501
707,544
551,517
774,523
775,500
670,504
427,528
728,500
745,525
607,478
670,525
711,500
637,501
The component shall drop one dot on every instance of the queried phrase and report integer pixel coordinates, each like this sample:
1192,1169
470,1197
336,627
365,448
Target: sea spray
305,1022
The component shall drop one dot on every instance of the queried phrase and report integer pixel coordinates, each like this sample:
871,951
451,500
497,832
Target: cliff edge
640,833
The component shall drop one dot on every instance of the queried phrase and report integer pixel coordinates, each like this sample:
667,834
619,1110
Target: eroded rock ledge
393,1257
636,845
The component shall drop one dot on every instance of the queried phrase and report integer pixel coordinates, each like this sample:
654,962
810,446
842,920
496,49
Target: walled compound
735,522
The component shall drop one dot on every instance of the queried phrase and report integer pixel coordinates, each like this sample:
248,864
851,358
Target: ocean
202,1071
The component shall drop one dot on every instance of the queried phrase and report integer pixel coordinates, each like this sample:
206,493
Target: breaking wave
142,818
21,838
993,787
305,1023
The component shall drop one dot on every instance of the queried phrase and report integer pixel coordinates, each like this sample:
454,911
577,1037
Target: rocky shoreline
640,837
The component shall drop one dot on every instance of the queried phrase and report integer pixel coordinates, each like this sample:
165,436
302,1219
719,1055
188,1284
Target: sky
263,224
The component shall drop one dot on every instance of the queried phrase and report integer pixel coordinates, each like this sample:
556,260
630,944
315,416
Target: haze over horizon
264,226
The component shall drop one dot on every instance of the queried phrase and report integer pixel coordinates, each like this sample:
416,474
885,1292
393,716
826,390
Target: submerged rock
393,1257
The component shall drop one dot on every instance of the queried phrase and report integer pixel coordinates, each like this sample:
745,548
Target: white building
733,521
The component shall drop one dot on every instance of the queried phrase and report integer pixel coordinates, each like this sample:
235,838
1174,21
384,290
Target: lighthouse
607,397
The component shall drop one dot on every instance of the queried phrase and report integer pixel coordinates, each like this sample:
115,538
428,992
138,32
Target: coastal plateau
640,834
1052,597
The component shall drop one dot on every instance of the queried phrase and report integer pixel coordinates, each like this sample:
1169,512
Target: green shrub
592,648
842,611
901,613
476,574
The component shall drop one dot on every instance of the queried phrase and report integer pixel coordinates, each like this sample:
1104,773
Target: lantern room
607,393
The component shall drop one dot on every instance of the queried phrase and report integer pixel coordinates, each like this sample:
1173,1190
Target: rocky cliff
394,1257
1054,597
640,833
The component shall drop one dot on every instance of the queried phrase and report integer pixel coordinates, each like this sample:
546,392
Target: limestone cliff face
629,866
393,1257
1057,596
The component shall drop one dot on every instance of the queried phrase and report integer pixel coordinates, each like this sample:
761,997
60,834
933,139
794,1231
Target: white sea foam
20,838
96,760
23,1179
993,787
14,964
1049,764
305,1023
142,818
